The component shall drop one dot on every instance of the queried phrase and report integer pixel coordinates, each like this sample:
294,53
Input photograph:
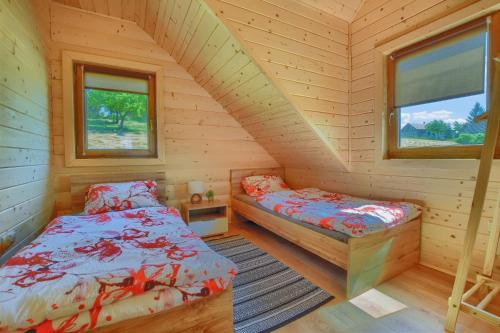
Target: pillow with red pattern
259,185
102,198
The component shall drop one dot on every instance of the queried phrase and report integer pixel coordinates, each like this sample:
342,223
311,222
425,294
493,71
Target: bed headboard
80,183
237,175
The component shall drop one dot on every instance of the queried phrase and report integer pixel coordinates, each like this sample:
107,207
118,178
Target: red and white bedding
353,216
88,271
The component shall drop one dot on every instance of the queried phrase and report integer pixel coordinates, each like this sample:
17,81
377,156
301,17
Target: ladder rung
473,289
480,313
488,298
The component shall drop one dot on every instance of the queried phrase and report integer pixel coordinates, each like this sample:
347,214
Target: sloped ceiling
287,86
126,9
304,52
344,9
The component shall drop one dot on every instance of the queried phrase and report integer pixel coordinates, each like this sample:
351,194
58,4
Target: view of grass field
414,142
104,134
116,120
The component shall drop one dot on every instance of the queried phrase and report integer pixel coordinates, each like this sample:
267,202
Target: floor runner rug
267,294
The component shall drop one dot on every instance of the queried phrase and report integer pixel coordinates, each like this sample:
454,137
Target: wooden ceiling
287,105
128,9
344,9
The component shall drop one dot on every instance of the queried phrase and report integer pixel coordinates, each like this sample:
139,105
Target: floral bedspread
83,271
353,216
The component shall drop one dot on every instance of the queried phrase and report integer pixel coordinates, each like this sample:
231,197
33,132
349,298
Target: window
435,90
115,113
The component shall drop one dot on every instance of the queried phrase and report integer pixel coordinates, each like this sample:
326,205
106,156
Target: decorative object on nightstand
206,218
210,195
196,189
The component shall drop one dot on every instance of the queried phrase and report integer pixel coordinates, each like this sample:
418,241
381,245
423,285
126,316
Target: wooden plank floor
423,290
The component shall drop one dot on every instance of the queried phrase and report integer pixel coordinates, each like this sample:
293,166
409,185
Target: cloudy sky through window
449,111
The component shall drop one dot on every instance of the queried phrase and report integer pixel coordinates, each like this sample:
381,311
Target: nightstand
206,218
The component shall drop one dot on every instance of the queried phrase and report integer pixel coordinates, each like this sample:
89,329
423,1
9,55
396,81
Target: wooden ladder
488,287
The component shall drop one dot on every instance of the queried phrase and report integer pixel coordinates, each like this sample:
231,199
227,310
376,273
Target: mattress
353,216
84,272
330,233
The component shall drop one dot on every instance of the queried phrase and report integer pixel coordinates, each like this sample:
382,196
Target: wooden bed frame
210,314
213,314
368,260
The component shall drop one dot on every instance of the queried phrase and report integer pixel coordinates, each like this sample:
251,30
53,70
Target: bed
117,271
368,260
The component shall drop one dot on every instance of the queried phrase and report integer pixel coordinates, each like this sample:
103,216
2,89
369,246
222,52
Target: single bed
121,271
368,260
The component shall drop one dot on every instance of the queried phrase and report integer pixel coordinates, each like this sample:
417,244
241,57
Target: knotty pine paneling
446,190
202,140
324,68
26,198
344,9
304,53
309,91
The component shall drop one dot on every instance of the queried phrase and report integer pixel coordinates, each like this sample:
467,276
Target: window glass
116,120
115,113
444,123
436,89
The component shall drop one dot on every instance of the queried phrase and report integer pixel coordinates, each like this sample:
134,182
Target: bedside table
206,218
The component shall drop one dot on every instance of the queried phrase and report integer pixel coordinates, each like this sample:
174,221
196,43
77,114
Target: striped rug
267,294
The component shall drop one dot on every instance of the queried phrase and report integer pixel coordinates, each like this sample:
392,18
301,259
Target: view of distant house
414,131
420,130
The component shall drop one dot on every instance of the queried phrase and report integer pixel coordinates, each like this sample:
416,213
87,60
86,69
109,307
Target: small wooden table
206,218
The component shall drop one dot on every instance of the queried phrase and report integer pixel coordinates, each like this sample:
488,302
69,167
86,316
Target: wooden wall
345,9
304,52
268,68
445,186
26,199
301,128
202,141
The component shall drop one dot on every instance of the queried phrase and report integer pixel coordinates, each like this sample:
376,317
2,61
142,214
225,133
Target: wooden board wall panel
202,141
239,13
128,9
224,53
303,63
265,27
330,21
115,8
230,76
193,18
205,29
344,9
317,72
447,190
306,51
152,8
15,157
26,198
29,229
16,214
187,15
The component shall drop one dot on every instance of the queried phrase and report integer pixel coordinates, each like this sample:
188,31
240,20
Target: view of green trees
116,119
468,132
